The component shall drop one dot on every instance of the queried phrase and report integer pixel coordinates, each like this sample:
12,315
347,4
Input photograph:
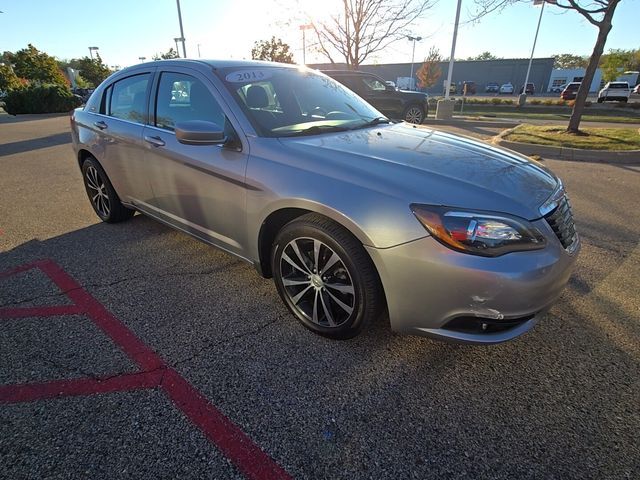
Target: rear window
619,85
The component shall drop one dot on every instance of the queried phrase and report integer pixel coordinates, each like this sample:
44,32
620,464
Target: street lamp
413,53
177,39
184,49
91,50
142,59
304,28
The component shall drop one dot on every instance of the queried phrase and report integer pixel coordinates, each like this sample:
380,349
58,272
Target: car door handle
155,141
101,125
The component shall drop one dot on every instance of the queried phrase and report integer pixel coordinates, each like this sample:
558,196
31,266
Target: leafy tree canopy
430,71
274,50
484,56
36,66
568,60
167,55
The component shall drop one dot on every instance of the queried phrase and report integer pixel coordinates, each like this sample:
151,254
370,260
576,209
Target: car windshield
282,101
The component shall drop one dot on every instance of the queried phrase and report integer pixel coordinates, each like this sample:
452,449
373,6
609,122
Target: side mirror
199,132
389,88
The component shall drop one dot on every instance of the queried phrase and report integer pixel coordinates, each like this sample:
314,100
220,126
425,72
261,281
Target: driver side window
374,84
181,98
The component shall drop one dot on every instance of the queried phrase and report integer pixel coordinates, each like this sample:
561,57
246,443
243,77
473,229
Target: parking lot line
219,429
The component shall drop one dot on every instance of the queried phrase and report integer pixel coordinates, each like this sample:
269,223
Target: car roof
214,63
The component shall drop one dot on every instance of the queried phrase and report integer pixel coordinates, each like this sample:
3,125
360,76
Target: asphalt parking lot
133,350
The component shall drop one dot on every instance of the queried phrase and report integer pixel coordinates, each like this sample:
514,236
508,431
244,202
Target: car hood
422,165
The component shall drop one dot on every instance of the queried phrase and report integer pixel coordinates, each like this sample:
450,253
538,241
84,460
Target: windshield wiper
317,129
374,121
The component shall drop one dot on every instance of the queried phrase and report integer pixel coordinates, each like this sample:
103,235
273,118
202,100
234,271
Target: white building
562,76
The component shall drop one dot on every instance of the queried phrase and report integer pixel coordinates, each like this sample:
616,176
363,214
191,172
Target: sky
125,30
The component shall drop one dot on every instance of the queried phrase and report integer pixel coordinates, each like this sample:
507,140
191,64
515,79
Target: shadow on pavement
34,144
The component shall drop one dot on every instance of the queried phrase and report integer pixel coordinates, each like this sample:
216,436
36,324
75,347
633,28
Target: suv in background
531,89
411,107
570,91
469,88
619,91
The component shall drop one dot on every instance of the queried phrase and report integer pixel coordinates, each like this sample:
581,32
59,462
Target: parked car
351,214
469,88
492,87
531,89
558,88
636,89
411,107
506,88
616,91
570,91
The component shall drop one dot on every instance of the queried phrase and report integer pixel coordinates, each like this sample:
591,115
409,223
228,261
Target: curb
622,157
478,123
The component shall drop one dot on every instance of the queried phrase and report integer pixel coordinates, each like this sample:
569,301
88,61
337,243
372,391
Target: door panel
119,127
199,188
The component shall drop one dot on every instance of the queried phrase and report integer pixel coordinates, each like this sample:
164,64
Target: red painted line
227,436
22,268
140,353
82,386
233,442
47,311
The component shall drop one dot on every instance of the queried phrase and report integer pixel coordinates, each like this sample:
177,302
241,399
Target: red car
570,91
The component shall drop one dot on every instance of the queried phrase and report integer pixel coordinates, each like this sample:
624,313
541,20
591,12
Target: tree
167,55
8,79
36,66
430,71
274,50
484,56
365,27
568,60
617,61
599,13
91,70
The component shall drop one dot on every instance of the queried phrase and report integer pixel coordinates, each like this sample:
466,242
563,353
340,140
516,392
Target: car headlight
479,233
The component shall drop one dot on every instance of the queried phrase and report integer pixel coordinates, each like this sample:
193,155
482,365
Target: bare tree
597,12
365,27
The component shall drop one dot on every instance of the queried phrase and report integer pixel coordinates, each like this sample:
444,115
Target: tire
102,196
624,100
600,99
339,302
414,114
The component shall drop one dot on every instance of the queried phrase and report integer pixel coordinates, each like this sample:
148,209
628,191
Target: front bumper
434,291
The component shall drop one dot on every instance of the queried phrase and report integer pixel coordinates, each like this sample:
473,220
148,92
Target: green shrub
496,101
535,102
41,99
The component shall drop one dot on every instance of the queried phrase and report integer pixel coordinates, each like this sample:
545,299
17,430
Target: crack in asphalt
111,284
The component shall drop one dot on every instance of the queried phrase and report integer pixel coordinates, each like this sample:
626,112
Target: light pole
444,109
91,50
523,98
177,39
184,48
142,59
413,54
304,28
199,50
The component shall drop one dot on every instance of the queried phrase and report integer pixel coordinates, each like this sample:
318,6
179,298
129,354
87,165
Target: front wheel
600,99
414,114
325,277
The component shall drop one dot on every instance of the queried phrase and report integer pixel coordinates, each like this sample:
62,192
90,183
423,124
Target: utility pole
304,28
523,98
91,50
453,51
444,110
184,48
177,39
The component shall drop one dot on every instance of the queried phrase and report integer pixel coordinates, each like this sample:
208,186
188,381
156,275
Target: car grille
560,220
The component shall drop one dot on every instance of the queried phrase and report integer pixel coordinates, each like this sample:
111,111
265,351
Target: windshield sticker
248,76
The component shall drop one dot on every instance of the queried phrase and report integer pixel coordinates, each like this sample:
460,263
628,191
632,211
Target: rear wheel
103,197
325,277
414,114
600,99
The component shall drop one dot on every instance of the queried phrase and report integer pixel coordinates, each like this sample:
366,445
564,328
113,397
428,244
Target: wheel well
268,231
82,156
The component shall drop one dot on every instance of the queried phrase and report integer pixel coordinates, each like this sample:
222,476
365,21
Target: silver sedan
354,216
